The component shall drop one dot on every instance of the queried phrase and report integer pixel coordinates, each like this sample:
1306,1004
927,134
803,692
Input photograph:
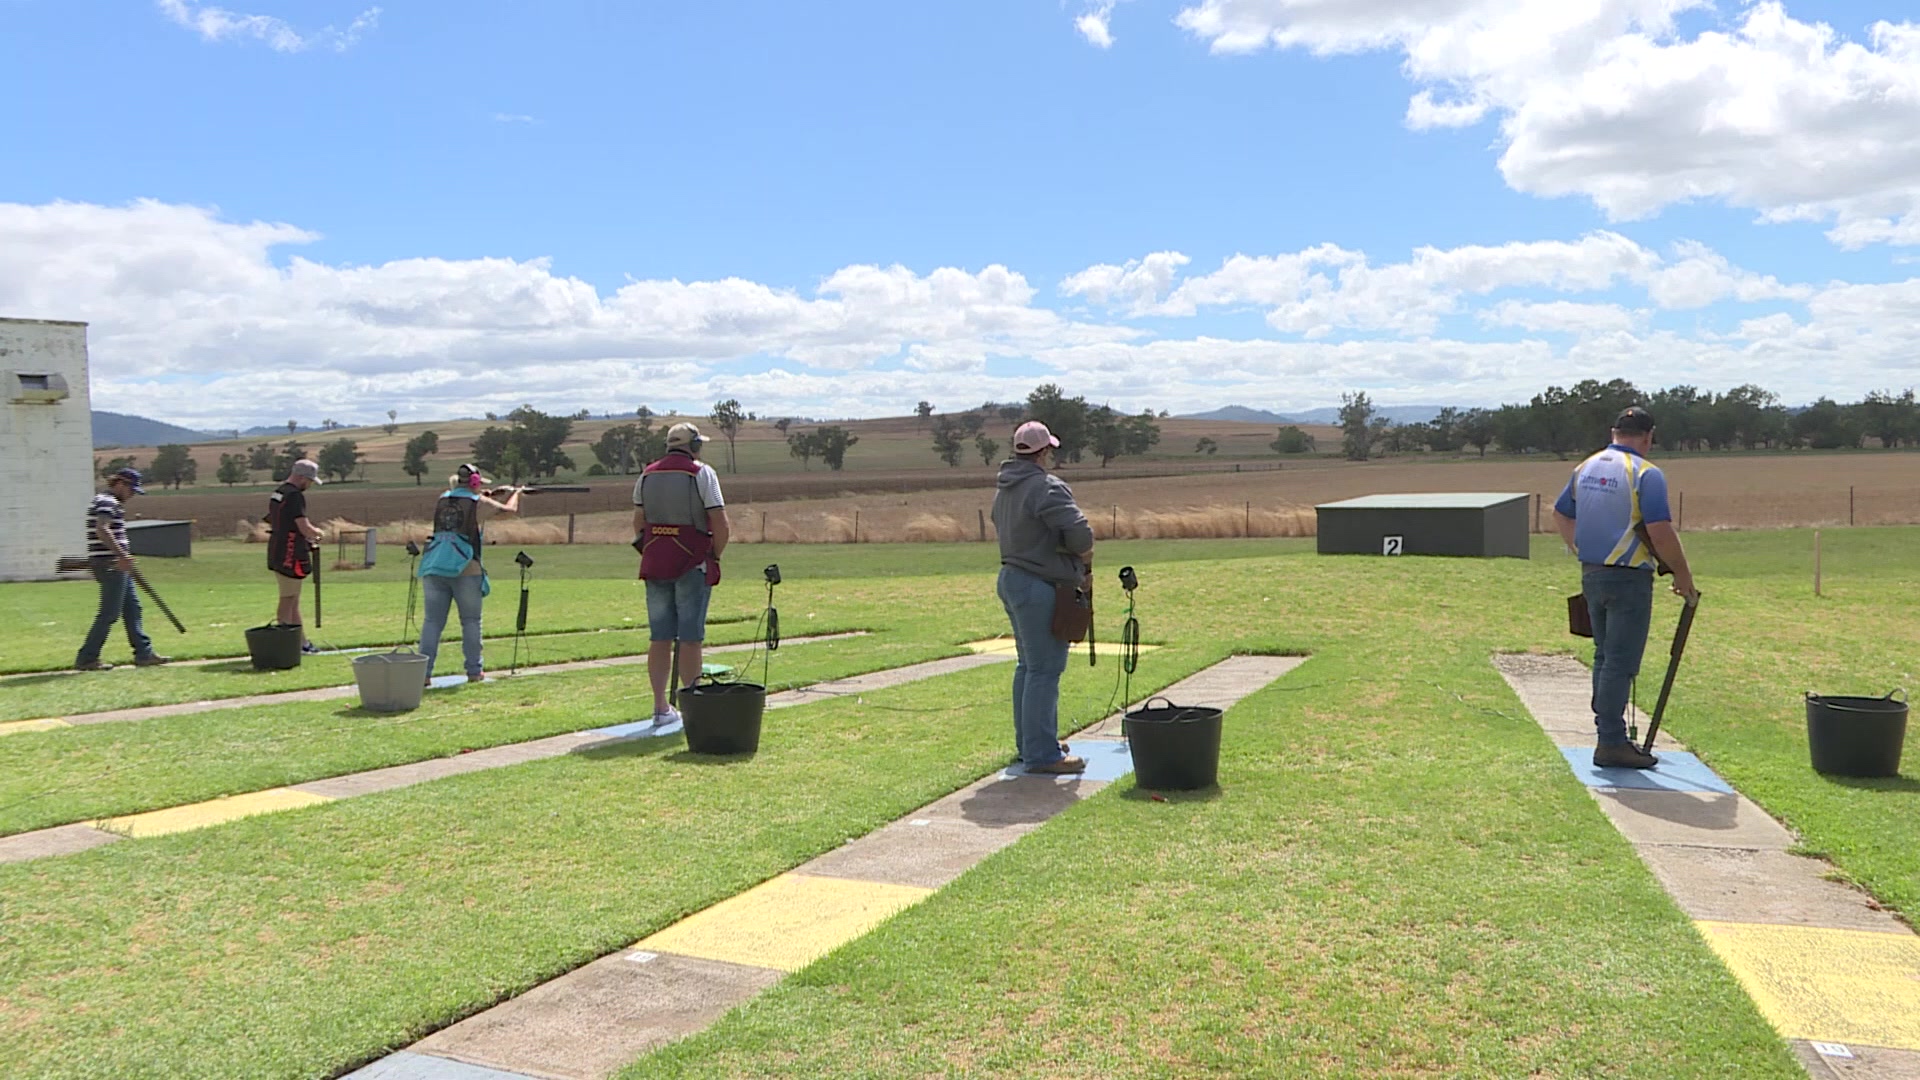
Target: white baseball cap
1033,437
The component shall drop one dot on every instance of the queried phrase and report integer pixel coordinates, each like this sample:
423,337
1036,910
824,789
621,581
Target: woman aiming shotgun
450,571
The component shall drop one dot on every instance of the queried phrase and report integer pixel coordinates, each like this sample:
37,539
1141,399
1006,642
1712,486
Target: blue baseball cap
132,477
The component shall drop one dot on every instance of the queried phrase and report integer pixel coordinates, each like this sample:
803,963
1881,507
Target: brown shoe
477,678
151,660
93,665
1624,756
1065,766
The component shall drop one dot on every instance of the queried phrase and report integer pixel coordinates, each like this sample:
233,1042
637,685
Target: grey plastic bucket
1856,736
390,681
1174,747
273,647
723,717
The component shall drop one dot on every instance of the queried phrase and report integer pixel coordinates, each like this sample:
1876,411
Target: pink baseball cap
1033,437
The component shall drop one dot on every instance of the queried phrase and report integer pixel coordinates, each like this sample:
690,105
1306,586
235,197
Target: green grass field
1398,876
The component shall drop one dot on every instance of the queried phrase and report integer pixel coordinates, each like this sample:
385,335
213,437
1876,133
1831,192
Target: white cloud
216,24
213,323
1562,316
513,118
1607,99
1096,23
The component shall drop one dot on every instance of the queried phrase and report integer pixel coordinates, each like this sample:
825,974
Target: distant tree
1068,419
1827,425
338,458
233,469
293,427
643,413
834,443
1476,429
1292,440
393,421
419,448
803,445
988,448
1893,421
260,456
328,425
489,452
972,423
1206,446
1141,434
728,418
619,448
923,411
283,461
1356,426
947,440
115,464
173,465
1443,432
1554,423
1405,438
781,425
1011,413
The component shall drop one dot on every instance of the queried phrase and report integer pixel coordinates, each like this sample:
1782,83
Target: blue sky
838,209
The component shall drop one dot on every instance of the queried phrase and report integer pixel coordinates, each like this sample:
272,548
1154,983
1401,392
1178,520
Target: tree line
1566,420
1085,430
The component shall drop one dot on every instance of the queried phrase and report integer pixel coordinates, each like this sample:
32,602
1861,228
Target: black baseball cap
1633,418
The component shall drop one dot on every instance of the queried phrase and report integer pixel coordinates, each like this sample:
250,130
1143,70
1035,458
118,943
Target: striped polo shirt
108,507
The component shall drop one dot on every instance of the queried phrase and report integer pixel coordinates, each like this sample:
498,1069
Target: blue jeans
1028,599
677,609
1620,601
442,593
118,600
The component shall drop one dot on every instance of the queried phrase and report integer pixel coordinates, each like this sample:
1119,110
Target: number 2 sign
1394,545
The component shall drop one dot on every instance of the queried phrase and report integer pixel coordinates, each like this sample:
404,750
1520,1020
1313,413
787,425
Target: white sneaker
666,723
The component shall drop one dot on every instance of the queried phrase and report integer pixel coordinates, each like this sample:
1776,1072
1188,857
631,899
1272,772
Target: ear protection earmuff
470,476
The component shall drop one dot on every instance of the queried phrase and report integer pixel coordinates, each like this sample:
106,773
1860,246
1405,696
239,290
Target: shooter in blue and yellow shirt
1614,515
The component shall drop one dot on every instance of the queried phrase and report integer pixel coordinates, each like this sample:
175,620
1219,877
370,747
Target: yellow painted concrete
786,923
18,727
1004,647
1843,986
213,812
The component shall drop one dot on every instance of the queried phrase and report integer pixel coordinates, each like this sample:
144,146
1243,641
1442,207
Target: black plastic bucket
1175,747
1857,736
723,717
274,647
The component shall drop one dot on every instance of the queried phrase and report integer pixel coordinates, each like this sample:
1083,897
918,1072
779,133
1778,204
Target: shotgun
1680,635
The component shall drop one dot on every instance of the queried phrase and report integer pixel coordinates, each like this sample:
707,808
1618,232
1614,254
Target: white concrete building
46,445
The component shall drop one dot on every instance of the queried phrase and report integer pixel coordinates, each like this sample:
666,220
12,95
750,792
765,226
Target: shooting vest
455,545
677,538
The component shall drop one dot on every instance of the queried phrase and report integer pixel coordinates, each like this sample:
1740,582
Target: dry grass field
894,488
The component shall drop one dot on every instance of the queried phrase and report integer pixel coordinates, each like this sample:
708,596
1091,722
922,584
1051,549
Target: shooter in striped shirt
112,560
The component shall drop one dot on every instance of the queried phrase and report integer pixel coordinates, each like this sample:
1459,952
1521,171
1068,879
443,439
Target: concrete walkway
1833,973
591,1022
69,839
334,693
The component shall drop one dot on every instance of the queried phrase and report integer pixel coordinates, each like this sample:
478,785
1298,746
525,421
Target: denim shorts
677,609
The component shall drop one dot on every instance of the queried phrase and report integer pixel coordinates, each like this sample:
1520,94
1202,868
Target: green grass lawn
1398,876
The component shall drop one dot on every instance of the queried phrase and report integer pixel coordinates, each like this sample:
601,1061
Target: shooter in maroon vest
681,522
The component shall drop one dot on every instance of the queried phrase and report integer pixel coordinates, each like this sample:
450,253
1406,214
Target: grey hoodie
1041,529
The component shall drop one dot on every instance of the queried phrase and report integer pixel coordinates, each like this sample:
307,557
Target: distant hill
112,429
1239,414
1399,414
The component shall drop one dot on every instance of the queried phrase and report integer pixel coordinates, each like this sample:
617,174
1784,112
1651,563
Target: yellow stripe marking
1844,986
786,923
212,812
1005,647
21,727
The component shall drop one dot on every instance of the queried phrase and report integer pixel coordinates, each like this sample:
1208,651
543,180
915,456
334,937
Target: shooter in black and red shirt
291,540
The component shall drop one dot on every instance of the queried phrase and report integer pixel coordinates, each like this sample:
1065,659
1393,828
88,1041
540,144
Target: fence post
1849,504
1536,511
1116,521
569,526
856,526
763,526
1680,519
1816,562
983,524
1247,526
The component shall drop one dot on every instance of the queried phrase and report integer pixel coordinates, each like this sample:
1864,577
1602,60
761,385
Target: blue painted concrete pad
1677,771
625,731
1106,760
444,682
407,1065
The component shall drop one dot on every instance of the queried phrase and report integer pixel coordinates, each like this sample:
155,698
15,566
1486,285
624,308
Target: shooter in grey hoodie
1045,541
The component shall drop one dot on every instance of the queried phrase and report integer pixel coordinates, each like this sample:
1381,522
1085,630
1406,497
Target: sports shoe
309,648
478,677
1066,766
1623,756
667,723
92,665
151,660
